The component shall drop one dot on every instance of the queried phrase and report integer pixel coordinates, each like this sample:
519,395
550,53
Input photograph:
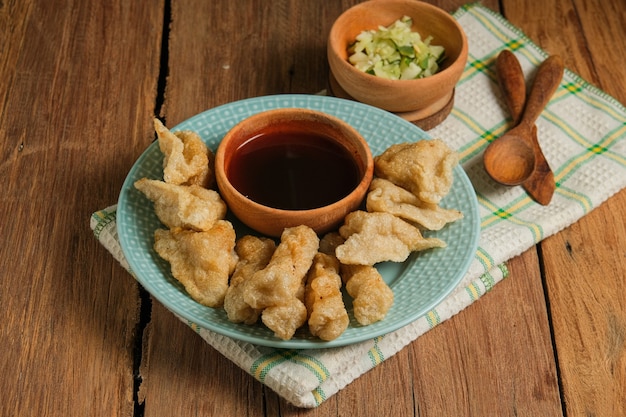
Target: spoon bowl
510,160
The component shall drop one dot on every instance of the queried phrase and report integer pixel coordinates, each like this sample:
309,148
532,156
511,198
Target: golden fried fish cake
201,261
185,206
187,160
377,237
327,315
254,254
372,297
384,196
425,168
285,319
283,278
329,243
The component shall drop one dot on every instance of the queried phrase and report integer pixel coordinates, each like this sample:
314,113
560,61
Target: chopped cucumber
395,52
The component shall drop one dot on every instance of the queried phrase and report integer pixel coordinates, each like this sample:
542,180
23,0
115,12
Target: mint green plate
419,284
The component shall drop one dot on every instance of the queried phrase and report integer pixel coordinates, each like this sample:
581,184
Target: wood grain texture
182,375
79,85
69,87
493,359
584,272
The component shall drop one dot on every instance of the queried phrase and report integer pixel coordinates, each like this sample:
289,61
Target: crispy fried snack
285,319
254,254
372,297
329,243
424,168
185,206
377,237
279,287
328,317
283,278
201,261
384,196
187,161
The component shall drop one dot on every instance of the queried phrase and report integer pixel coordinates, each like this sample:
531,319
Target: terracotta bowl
289,167
424,96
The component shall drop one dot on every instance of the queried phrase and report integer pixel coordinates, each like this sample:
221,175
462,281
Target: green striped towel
583,135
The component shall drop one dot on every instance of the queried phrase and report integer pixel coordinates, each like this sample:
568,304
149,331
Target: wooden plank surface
497,354
78,88
79,85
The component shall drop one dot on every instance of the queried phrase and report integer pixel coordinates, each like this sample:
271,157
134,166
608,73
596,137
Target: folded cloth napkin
583,135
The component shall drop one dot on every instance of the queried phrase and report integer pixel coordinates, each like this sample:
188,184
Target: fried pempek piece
187,160
285,319
328,317
283,278
425,168
377,237
185,206
201,261
384,196
254,254
372,297
278,288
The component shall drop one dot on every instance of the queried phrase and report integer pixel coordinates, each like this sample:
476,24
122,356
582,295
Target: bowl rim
366,177
332,46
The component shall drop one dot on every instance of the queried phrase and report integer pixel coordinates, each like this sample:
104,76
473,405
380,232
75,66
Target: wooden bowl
289,167
425,95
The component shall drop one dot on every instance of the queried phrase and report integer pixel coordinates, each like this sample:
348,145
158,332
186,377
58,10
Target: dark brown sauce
293,170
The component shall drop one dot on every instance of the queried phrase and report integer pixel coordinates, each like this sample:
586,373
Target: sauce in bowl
293,170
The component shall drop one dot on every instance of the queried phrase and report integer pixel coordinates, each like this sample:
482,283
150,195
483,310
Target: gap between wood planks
542,273
145,300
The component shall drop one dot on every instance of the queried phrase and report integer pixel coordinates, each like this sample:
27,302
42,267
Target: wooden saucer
425,119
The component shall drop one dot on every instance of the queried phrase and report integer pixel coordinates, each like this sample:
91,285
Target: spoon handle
547,80
511,80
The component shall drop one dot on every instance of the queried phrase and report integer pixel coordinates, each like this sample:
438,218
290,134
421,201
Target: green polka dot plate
419,283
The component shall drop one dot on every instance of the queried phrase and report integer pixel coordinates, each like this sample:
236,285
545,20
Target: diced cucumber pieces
395,52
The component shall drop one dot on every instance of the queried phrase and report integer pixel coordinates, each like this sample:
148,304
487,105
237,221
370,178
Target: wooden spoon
510,159
540,185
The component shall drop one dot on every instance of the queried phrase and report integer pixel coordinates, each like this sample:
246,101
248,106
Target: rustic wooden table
80,82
